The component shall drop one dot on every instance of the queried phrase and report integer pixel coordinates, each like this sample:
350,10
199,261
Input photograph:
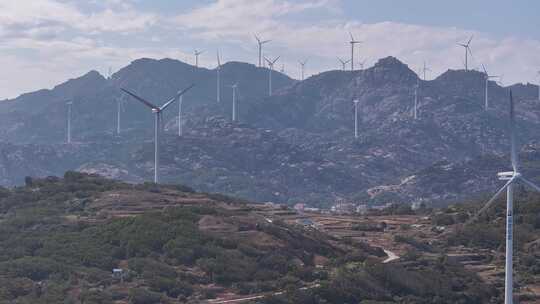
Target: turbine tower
69,104
415,109
353,43
197,54
487,77
356,101
157,125
467,52
261,43
218,71
303,67
511,177
119,109
425,69
538,85
180,102
343,63
270,71
234,87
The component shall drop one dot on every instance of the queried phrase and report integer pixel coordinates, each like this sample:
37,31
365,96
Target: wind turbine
261,43
425,69
271,65
343,63
362,64
218,70
69,104
467,51
487,77
180,102
234,87
303,67
415,110
353,43
538,85
356,101
511,177
157,125
119,109
197,54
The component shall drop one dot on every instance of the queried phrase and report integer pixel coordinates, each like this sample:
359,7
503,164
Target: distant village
344,207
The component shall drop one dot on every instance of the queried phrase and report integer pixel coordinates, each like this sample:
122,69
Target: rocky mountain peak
389,70
390,63
87,83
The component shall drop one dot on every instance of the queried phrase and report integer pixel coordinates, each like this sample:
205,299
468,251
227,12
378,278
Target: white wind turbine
343,63
425,69
467,52
303,67
511,177
270,72
487,77
538,85
362,64
218,84
356,101
180,103
119,109
197,54
415,109
353,43
69,104
158,111
234,87
260,44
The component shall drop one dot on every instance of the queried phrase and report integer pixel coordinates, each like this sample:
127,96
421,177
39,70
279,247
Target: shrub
143,296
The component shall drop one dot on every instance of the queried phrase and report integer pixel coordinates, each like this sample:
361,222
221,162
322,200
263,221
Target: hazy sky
45,42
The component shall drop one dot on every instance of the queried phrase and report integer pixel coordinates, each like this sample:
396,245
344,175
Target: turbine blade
470,51
266,41
218,59
145,102
257,38
275,60
492,200
352,37
469,42
484,68
529,183
513,150
163,107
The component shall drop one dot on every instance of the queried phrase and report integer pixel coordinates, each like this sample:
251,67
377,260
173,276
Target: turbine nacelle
507,175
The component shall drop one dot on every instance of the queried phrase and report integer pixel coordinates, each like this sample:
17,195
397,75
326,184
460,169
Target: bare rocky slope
297,145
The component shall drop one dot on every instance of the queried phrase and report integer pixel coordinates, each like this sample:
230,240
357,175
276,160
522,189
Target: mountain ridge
313,118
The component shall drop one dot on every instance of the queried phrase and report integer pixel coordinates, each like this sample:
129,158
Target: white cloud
25,16
242,18
237,20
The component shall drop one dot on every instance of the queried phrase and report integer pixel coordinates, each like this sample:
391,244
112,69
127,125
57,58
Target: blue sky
45,42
